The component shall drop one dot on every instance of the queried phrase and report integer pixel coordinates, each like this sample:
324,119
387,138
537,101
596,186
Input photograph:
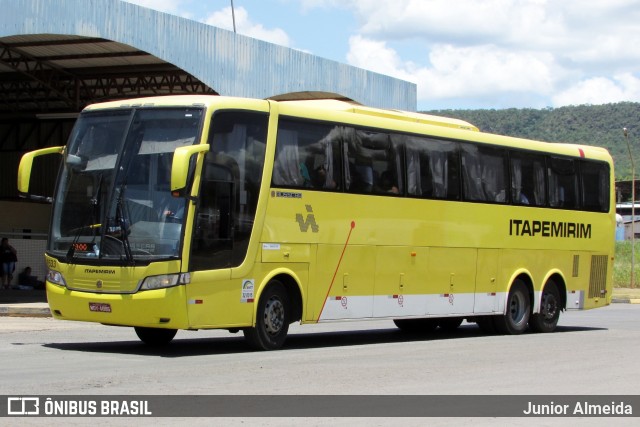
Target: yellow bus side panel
487,296
341,286
400,281
215,300
452,277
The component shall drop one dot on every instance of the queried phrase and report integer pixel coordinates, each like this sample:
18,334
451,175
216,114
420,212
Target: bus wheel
416,326
450,324
518,310
155,336
272,322
547,319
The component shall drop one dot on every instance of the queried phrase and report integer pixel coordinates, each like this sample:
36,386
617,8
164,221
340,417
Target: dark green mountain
600,125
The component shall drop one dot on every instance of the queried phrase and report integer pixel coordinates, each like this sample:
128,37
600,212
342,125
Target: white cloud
456,72
496,49
600,90
376,56
224,19
495,53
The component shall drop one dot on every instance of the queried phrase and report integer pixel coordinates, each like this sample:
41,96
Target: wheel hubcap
273,316
549,306
517,309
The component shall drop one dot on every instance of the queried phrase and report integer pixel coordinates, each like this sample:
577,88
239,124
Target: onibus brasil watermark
579,408
26,406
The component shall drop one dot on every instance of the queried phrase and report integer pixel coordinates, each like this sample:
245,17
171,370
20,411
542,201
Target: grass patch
622,265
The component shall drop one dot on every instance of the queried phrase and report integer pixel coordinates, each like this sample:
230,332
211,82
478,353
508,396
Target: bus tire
416,326
550,306
450,324
155,336
272,319
516,318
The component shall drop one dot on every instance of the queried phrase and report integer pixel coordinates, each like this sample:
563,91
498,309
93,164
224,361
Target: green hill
599,125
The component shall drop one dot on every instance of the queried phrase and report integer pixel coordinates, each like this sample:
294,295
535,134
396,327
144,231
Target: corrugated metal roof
60,55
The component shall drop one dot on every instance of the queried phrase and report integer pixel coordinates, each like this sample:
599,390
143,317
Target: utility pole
633,209
233,16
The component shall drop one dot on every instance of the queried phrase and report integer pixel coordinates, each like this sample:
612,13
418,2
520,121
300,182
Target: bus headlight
163,281
56,278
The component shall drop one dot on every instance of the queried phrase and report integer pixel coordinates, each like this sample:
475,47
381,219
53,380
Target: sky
462,54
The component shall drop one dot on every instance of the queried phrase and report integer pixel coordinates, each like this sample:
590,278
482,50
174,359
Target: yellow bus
203,212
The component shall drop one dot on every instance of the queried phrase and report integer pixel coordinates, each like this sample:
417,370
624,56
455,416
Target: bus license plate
100,307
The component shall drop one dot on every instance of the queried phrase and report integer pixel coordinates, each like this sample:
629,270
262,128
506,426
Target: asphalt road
593,352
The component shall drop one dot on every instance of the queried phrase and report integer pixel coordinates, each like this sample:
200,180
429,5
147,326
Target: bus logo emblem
309,221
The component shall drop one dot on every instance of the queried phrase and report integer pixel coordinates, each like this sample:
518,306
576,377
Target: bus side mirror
26,165
180,166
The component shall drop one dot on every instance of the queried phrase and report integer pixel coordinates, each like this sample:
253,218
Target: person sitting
387,184
26,279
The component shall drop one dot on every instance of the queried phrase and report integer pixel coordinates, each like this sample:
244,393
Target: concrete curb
21,311
625,300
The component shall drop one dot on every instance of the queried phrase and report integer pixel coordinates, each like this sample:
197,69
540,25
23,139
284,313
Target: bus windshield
113,201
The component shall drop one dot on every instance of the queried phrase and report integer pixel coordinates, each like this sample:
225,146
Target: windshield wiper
122,222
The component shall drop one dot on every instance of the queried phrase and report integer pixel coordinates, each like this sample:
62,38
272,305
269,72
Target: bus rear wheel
516,318
272,319
547,319
155,336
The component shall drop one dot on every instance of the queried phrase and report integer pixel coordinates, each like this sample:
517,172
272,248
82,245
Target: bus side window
359,162
432,168
388,166
527,178
288,170
563,181
595,185
483,173
307,155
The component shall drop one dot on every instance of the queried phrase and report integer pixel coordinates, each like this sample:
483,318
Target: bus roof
352,107
366,113
327,104
171,100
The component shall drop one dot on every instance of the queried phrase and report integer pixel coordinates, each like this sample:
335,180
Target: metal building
57,56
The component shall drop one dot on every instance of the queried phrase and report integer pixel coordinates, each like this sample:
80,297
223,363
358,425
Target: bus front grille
598,277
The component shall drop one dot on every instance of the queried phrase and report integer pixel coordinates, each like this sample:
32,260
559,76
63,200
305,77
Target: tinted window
563,183
595,186
432,167
527,178
307,155
372,163
483,173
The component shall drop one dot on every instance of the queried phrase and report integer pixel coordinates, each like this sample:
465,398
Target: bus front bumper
160,308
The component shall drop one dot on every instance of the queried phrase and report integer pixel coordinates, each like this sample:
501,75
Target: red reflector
581,152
